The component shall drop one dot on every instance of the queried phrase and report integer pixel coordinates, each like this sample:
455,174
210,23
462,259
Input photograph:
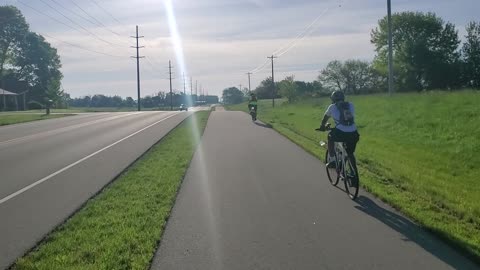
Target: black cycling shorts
349,138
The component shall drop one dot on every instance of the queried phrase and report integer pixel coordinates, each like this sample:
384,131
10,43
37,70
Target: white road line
68,128
15,194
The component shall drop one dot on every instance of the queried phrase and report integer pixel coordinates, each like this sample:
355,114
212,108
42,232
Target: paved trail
254,200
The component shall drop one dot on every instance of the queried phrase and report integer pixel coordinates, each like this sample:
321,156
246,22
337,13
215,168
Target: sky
214,42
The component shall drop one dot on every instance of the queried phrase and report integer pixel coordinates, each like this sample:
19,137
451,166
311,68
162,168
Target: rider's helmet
337,96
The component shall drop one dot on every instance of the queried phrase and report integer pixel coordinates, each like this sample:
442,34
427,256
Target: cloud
222,39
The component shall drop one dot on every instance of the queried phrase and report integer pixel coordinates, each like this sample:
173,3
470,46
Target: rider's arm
324,121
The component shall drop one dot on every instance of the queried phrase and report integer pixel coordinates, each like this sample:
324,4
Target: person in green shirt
252,102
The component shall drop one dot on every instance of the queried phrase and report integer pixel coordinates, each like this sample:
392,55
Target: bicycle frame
341,155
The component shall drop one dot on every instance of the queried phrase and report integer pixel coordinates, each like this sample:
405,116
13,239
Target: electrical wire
309,29
77,24
80,47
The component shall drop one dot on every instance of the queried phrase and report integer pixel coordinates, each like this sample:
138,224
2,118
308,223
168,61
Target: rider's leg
331,143
331,147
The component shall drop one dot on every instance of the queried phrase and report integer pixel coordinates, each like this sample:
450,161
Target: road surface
49,168
253,200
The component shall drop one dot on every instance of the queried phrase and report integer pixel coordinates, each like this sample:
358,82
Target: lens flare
202,176
175,37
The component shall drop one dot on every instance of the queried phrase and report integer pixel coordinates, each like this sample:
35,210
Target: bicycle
348,174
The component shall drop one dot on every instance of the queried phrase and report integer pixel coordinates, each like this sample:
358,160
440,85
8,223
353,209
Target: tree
38,64
471,55
13,29
289,89
232,95
26,56
264,90
425,50
331,76
53,92
352,77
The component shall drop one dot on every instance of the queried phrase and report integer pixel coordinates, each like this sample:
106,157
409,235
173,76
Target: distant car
183,108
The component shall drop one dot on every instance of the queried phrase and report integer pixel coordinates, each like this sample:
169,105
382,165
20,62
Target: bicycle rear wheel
331,172
352,181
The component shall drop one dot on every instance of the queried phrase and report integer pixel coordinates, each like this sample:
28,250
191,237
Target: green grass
417,152
121,227
9,119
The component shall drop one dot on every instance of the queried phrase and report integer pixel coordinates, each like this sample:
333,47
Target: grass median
121,227
417,152
17,118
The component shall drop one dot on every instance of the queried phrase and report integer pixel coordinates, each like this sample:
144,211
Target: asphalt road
49,168
253,200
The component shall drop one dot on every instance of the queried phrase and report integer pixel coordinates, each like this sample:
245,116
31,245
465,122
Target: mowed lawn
419,152
16,118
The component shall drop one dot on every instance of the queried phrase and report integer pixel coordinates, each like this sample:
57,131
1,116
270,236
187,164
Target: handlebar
328,127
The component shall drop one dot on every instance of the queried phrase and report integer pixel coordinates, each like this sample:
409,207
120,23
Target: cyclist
343,113
252,102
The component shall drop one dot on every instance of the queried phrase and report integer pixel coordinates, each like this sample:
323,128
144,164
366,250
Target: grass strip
121,227
9,119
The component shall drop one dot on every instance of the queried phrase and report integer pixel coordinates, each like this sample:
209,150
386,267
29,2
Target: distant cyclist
343,113
252,102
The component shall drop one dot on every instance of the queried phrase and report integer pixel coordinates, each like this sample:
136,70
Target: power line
80,47
106,11
98,22
154,69
71,11
79,25
45,14
290,45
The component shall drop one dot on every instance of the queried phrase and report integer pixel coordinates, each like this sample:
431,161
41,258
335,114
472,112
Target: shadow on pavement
263,125
414,233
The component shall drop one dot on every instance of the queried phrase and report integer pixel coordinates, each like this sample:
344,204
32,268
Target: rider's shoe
331,162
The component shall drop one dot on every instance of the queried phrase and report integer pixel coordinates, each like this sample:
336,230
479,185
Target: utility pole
273,81
3,97
138,66
390,48
249,89
171,92
240,87
196,88
184,85
191,86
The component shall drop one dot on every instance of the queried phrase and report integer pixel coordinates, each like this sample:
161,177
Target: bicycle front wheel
331,172
352,180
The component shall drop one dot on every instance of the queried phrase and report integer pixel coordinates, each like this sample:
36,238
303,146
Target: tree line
428,55
159,100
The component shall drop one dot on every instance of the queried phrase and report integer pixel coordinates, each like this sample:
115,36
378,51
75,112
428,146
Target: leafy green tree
331,76
264,90
39,64
352,77
425,50
289,89
232,95
471,55
26,56
13,29
53,92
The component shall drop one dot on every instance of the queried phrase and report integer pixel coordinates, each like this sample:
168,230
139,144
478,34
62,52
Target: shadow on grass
414,233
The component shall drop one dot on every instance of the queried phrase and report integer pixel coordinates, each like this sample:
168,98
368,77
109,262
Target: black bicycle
345,168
